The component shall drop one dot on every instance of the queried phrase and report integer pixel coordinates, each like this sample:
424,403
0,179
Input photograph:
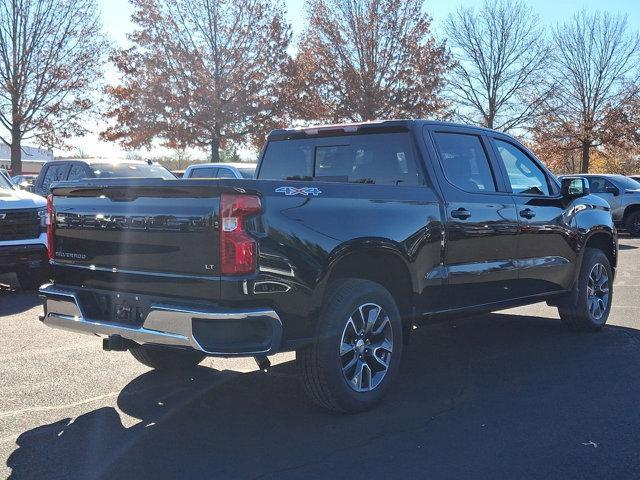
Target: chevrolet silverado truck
348,237
23,243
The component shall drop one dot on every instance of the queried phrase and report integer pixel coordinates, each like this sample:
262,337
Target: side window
54,173
524,175
77,172
601,185
225,173
597,185
465,162
204,172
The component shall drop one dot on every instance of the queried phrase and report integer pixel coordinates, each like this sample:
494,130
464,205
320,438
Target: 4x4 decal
306,191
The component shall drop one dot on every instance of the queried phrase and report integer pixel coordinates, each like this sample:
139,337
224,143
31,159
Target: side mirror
575,187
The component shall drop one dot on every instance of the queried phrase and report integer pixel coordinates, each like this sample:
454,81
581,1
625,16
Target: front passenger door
603,188
545,252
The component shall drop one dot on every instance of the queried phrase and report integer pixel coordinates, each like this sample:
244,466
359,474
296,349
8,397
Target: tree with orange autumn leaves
206,73
366,60
200,73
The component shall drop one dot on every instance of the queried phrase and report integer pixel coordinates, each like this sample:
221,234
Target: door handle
461,213
527,213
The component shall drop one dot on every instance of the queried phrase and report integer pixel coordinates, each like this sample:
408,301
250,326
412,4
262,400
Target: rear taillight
50,226
238,250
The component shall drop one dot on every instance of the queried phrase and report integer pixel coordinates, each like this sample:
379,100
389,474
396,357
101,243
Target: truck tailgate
150,228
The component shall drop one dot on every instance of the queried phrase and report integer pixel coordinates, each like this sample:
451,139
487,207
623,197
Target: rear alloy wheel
366,347
357,350
588,307
632,225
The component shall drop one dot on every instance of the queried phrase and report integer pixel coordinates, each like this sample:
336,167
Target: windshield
131,169
626,182
5,182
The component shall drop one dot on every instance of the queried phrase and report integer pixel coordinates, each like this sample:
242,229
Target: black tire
31,279
576,312
166,358
321,364
632,224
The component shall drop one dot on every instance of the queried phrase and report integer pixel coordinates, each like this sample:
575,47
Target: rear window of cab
375,159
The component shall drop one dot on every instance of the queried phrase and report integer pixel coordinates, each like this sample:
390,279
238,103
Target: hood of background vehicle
13,199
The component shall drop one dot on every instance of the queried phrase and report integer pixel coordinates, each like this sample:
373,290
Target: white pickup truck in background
23,234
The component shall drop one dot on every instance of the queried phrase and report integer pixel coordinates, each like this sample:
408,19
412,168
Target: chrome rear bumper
169,324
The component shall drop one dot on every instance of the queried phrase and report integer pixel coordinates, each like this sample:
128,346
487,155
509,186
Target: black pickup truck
348,236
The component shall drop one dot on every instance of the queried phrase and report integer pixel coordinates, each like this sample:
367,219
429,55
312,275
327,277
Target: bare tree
501,60
201,73
596,65
51,53
368,59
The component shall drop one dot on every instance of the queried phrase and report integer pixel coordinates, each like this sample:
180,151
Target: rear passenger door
545,252
481,221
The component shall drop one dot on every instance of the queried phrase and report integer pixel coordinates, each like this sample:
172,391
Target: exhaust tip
115,343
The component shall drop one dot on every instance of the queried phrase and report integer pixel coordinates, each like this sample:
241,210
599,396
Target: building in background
32,159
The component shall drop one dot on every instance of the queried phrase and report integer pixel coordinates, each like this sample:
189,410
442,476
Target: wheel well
604,242
381,267
629,210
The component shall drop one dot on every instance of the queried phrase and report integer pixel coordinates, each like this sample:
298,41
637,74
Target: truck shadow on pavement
13,302
498,396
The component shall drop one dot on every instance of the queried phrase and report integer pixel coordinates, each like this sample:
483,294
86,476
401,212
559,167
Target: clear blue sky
116,20
117,23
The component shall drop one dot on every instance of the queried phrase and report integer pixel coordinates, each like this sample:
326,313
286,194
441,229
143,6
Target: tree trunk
16,150
586,150
215,150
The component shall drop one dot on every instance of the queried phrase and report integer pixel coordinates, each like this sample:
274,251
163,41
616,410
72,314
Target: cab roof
381,126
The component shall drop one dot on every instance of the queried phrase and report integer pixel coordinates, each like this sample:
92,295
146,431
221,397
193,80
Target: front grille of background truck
19,224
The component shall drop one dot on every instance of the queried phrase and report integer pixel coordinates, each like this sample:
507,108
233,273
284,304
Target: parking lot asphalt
505,395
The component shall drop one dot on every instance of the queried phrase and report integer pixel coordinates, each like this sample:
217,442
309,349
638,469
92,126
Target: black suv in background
348,236
61,170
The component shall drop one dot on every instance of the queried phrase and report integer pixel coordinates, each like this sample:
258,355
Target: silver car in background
220,170
623,195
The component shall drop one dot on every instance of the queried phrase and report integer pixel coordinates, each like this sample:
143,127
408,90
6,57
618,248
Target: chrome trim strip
481,268
165,324
278,271
136,272
271,282
550,261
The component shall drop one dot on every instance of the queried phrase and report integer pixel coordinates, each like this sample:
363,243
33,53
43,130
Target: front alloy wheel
598,291
587,308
